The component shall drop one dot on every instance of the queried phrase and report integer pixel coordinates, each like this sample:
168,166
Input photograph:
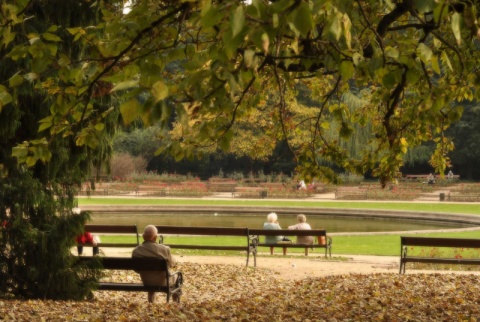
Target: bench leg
306,251
284,251
271,250
151,297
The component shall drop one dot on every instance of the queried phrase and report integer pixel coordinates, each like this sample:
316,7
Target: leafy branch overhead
228,71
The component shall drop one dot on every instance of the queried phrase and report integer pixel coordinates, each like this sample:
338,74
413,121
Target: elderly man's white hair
272,217
150,231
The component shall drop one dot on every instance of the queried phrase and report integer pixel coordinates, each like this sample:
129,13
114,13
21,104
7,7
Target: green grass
380,245
389,205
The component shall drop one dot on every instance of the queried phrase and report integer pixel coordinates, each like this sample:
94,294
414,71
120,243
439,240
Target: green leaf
125,85
238,20
5,98
15,80
456,20
346,69
159,91
130,110
300,20
249,56
51,37
20,152
336,26
99,126
424,52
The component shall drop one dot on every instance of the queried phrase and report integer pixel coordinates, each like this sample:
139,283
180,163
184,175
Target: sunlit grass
442,207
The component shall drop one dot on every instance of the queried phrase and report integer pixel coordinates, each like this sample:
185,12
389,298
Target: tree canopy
236,61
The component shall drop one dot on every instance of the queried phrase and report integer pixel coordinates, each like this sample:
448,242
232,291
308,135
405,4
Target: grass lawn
463,208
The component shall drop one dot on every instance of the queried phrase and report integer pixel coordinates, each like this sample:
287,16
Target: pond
330,223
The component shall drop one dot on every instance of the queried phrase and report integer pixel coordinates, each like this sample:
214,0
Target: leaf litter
233,293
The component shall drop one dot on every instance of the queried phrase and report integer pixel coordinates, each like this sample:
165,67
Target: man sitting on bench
150,248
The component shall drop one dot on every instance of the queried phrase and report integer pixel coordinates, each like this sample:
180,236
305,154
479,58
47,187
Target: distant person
450,175
431,179
272,223
301,185
87,238
150,248
302,225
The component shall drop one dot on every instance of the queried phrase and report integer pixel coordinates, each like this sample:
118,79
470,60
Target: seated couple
272,223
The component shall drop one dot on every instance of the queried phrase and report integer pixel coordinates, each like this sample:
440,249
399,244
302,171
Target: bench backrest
129,263
288,232
113,229
440,242
208,231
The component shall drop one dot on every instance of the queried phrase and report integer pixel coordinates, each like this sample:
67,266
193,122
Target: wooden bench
113,229
221,185
209,231
466,197
351,193
319,234
407,242
250,192
136,264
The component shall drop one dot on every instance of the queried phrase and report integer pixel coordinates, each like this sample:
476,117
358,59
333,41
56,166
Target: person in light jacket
302,224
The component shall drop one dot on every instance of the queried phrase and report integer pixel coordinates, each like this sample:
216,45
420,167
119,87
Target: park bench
322,240
163,231
113,229
219,185
407,242
250,192
136,264
351,193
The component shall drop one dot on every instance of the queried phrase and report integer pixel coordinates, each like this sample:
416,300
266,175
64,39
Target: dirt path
299,267
295,267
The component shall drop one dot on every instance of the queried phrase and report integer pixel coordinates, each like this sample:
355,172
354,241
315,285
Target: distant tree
466,137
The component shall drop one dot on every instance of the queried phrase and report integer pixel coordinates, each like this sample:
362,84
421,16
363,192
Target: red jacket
85,238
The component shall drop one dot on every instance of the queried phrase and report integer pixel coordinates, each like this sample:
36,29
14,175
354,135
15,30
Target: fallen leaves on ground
233,293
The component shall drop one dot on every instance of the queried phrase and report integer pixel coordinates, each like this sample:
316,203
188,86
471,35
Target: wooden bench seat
319,234
164,231
351,193
136,264
113,229
250,192
407,242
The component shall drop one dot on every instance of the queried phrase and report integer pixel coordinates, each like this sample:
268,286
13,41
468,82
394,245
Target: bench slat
209,247
440,242
432,260
207,231
127,229
288,232
118,245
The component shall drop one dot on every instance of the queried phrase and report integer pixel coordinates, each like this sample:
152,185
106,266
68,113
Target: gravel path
298,267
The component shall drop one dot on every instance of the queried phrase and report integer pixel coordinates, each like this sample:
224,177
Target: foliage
217,67
46,151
